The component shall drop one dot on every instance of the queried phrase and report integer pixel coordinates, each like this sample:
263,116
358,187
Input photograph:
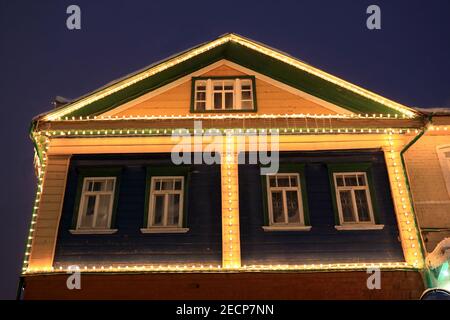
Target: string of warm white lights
213,131
203,48
403,207
219,268
234,116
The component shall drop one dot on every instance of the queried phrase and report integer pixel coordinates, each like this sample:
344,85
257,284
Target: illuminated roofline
54,115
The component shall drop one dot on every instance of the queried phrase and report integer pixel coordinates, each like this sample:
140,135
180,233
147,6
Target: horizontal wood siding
201,244
323,244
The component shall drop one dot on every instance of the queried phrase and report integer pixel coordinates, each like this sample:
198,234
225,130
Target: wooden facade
311,119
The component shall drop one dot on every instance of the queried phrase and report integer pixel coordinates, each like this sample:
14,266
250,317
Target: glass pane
246,85
201,96
87,218
178,185
293,181
103,211
110,185
218,86
292,207
351,181
247,105
89,186
277,207
229,100
158,185
361,180
340,181
98,185
362,205
217,100
246,95
347,206
158,212
167,185
273,181
173,209
283,181
201,106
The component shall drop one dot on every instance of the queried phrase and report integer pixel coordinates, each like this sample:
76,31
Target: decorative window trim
164,171
209,92
364,168
445,164
85,173
297,169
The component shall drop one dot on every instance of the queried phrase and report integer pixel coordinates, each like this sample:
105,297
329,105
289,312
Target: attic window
223,94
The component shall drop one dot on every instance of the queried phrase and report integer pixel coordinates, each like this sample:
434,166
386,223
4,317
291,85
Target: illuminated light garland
230,116
212,131
403,207
181,268
121,84
231,252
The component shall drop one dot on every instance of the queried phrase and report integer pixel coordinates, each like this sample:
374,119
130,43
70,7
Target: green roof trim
246,57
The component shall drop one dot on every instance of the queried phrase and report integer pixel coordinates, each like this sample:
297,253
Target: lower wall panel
211,286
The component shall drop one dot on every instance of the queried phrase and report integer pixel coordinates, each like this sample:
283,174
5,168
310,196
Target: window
444,159
285,202
223,94
96,203
353,198
166,204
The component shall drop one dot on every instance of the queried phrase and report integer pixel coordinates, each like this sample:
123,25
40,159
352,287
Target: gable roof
248,53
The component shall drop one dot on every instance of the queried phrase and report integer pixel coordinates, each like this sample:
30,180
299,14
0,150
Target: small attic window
232,94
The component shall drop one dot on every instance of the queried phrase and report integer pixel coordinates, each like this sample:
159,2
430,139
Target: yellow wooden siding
270,99
48,215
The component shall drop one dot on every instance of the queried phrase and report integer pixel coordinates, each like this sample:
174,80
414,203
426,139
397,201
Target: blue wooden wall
323,244
202,244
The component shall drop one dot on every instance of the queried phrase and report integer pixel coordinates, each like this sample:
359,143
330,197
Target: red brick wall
318,285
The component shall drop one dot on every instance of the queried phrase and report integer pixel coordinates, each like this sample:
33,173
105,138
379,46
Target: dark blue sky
408,60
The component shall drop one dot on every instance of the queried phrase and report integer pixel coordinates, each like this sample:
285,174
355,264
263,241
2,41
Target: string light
406,112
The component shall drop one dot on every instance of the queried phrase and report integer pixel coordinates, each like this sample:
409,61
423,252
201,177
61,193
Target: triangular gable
273,97
247,53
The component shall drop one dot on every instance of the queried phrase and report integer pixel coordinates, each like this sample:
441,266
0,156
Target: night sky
408,60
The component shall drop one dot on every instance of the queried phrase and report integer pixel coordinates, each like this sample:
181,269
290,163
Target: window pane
361,180
350,181
292,207
293,181
110,185
347,206
283,181
98,186
158,185
229,100
277,207
217,100
103,211
247,105
246,95
178,185
89,186
158,211
201,106
167,185
273,181
340,181
87,218
218,86
362,205
173,209
201,96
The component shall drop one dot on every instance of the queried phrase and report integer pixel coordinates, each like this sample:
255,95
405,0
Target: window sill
286,228
93,231
360,227
164,230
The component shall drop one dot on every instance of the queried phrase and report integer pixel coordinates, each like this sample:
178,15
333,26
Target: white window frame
445,164
150,228
356,225
84,193
286,226
237,93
